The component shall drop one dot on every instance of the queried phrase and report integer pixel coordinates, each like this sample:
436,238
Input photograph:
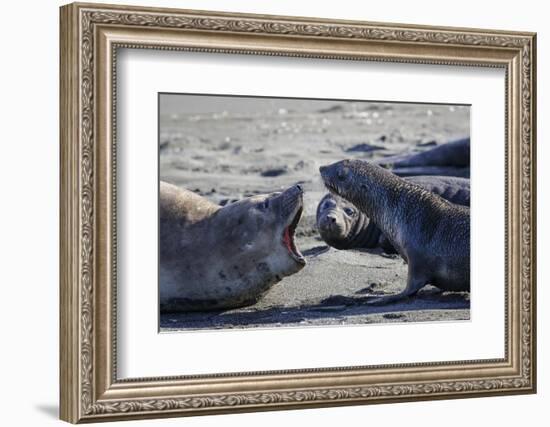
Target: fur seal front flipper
430,233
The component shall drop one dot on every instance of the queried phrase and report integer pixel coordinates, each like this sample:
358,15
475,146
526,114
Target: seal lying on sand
430,233
451,159
214,257
343,226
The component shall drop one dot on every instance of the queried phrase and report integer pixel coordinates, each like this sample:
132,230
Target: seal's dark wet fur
343,226
430,233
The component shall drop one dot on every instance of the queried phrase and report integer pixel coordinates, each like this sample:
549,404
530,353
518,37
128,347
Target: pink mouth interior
288,236
287,240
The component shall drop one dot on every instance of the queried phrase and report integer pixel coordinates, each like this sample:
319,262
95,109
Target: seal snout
331,175
324,171
329,224
296,189
328,221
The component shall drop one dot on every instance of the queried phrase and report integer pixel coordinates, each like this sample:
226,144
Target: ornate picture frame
90,37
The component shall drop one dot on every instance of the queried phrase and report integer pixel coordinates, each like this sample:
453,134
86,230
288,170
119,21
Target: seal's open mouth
288,238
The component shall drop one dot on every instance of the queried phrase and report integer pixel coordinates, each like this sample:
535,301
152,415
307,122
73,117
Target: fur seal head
338,177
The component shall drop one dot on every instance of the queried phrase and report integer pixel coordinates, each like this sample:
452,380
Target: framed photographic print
266,212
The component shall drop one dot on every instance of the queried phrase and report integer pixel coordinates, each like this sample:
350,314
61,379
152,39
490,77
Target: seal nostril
299,187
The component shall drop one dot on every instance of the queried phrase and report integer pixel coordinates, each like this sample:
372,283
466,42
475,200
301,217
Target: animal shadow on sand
334,309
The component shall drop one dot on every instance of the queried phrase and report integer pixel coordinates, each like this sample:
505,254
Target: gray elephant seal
451,159
214,257
430,233
343,226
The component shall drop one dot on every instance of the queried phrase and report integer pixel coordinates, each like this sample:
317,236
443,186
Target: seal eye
342,174
349,211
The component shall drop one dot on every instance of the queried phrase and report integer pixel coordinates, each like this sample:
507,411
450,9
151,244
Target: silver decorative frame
90,36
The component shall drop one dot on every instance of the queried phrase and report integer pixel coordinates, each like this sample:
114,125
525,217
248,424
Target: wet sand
235,148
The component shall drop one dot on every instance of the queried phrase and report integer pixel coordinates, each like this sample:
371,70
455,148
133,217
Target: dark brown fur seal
430,233
343,226
214,257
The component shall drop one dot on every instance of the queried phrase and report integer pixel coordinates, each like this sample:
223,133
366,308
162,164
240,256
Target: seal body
451,159
214,257
430,233
343,226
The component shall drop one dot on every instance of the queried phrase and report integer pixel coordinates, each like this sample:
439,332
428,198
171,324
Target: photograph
264,212
289,212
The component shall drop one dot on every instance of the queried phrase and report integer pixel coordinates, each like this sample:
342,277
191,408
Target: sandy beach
228,148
